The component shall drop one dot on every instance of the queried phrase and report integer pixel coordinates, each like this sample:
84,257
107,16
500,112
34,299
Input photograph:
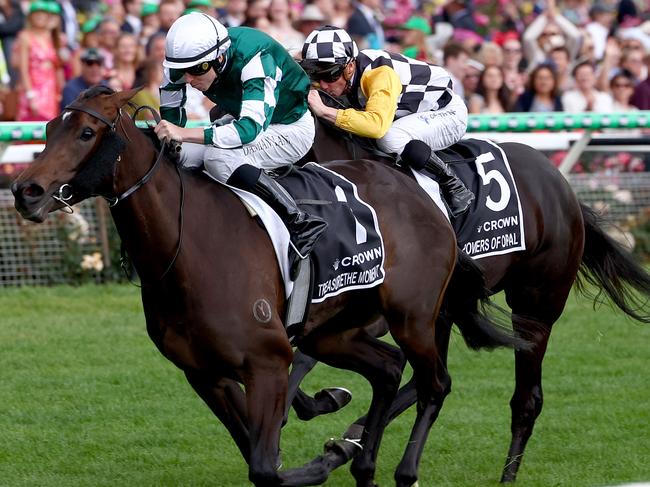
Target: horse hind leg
432,383
534,311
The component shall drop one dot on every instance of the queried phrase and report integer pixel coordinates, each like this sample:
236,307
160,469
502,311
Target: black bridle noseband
112,201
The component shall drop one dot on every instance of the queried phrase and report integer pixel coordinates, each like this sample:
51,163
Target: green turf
87,400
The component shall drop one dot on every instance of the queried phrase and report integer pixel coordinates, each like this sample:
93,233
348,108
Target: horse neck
148,219
334,144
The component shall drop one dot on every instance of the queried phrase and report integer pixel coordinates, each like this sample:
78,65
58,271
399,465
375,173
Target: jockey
252,78
401,102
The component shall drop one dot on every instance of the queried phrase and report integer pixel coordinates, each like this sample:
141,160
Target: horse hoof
345,448
335,397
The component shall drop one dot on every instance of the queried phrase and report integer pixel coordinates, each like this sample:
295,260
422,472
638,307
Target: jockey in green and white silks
252,78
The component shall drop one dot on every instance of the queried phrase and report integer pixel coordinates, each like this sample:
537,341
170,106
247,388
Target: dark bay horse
565,243
212,291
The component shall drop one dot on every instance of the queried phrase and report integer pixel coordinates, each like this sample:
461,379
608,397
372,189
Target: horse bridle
61,197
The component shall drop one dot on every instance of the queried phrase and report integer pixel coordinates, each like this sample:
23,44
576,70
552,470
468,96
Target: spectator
155,47
585,97
470,80
542,93
365,25
12,23
602,18
455,59
490,54
69,24
622,88
492,95
203,6
281,27
610,64
126,61
150,78
168,12
587,51
150,22
41,75
641,97
257,14
547,31
561,60
515,77
311,18
234,13
132,20
459,14
414,32
632,60
576,11
92,73
343,10
108,32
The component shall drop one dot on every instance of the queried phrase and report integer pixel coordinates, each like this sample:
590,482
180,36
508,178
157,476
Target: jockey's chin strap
175,146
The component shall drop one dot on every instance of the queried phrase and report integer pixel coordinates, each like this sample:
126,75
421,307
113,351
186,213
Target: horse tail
482,323
612,269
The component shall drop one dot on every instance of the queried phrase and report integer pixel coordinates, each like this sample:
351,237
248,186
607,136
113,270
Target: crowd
519,55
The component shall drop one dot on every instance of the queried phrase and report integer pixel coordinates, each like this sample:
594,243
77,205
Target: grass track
87,400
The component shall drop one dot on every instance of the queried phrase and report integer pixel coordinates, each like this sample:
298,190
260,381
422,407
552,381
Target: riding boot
456,194
304,229
419,156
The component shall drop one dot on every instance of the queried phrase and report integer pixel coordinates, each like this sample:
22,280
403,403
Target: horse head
80,156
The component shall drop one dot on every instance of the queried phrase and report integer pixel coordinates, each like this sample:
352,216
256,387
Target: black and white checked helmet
329,45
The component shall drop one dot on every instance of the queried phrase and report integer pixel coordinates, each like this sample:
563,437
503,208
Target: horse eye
87,134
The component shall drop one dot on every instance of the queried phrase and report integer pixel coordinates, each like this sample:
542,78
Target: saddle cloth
350,254
493,225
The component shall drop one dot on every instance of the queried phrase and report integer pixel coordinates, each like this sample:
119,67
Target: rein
175,146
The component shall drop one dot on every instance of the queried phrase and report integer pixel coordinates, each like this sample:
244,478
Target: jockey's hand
319,109
167,131
315,103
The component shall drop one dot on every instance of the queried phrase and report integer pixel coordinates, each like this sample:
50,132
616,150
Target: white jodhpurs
277,146
438,129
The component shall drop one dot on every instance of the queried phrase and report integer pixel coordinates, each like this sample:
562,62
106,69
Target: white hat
311,13
195,38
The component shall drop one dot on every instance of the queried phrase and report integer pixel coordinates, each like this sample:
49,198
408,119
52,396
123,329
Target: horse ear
123,96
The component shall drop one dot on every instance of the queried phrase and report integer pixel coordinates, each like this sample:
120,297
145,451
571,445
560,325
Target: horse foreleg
306,407
265,383
381,364
228,403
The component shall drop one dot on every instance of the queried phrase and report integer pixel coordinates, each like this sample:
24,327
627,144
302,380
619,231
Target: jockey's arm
260,92
382,87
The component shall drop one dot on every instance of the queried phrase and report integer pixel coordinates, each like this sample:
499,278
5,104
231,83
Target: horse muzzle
32,201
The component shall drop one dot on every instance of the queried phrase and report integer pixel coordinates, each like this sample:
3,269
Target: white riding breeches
438,129
277,146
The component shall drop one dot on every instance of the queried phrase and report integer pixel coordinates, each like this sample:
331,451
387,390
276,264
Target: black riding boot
305,229
457,195
420,156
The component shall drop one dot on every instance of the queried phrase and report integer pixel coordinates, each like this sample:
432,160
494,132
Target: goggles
198,69
324,72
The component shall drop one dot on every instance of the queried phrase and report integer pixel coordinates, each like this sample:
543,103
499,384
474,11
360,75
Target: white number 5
489,176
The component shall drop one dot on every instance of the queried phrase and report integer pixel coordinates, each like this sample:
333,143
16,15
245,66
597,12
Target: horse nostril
28,190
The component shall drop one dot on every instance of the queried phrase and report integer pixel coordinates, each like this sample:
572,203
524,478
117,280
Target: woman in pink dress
41,73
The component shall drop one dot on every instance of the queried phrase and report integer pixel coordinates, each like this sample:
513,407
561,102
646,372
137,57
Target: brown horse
565,243
212,292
